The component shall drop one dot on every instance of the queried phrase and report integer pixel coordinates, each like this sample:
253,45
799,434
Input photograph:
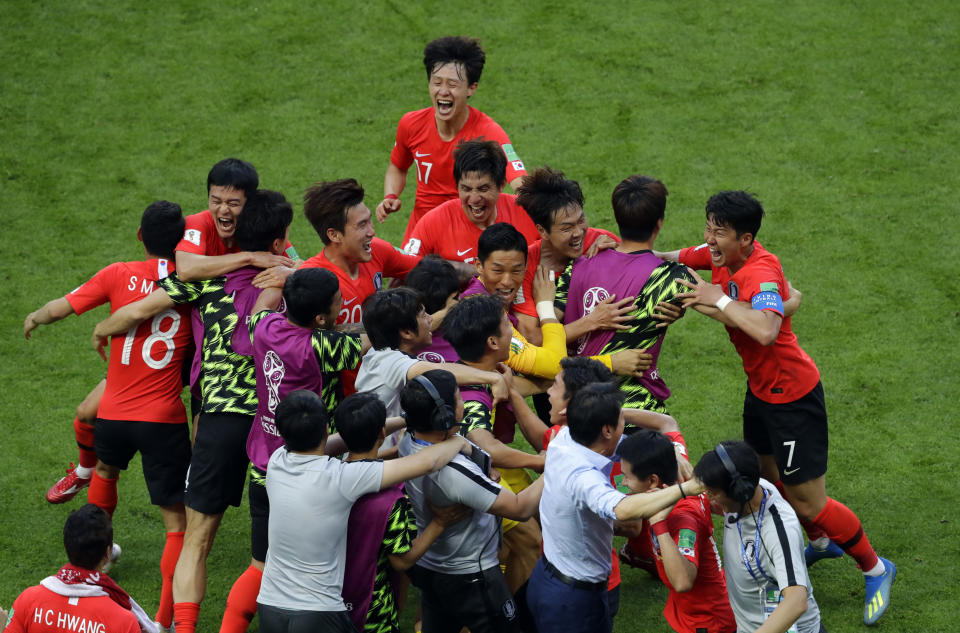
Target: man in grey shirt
767,579
459,577
311,495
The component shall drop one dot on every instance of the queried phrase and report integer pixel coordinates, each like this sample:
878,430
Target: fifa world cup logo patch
591,299
273,371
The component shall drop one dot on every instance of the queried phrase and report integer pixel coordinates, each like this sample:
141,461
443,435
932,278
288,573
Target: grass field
841,117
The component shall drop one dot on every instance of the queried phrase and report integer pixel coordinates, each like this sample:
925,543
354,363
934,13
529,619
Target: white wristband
545,310
723,302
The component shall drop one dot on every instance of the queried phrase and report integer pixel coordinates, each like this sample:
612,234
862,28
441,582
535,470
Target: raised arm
393,183
52,311
430,459
503,456
531,426
645,505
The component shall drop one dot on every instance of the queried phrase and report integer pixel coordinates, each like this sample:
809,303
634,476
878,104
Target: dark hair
500,237
234,173
308,293
435,279
545,192
470,323
738,210
302,420
580,371
264,219
418,406
463,51
387,312
650,453
87,533
161,228
359,419
711,471
638,203
592,408
482,157
325,204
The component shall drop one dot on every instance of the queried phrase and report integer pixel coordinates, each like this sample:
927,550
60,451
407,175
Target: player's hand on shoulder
265,260
602,243
612,314
273,277
631,362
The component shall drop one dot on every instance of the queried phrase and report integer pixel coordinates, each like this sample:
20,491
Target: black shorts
219,464
481,602
279,620
164,449
259,513
795,433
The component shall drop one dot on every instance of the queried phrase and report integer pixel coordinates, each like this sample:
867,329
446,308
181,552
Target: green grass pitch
841,116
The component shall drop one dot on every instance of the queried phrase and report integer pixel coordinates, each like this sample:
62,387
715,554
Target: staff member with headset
459,577
568,588
767,580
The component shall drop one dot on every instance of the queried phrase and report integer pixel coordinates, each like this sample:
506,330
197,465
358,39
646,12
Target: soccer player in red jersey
682,538
452,229
208,248
555,206
80,597
426,138
784,413
351,251
141,409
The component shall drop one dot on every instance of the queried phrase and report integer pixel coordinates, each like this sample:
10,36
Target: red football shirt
143,376
387,261
527,306
777,373
418,143
447,232
706,604
39,610
200,237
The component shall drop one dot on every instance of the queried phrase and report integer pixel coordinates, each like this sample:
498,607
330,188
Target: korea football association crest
733,290
378,280
273,371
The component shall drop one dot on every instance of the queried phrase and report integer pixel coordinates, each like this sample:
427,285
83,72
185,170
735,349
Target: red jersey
614,581
777,373
419,143
533,260
447,232
200,236
143,376
706,604
387,261
39,610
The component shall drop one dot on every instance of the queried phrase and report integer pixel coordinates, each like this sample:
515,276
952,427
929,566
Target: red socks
168,562
813,532
84,434
185,616
103,493
242,602
843,527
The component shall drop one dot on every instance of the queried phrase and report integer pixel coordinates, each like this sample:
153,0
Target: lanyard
756,545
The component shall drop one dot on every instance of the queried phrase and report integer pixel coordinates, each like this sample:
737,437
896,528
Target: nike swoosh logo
790,472
462,253
419,155
346,303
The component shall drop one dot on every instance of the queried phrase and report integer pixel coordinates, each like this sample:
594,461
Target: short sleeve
360,478
462,482
94,293
401,528
18,615
688,532
696,257
181,291
761,286
396,263
787,555
196,234
336,351
421,238
400,156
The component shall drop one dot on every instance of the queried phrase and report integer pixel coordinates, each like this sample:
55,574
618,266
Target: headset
443,417
740,489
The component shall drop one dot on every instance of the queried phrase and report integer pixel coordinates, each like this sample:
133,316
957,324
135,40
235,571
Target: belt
573,582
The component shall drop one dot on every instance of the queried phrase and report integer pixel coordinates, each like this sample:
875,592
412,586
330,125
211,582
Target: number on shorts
792,444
